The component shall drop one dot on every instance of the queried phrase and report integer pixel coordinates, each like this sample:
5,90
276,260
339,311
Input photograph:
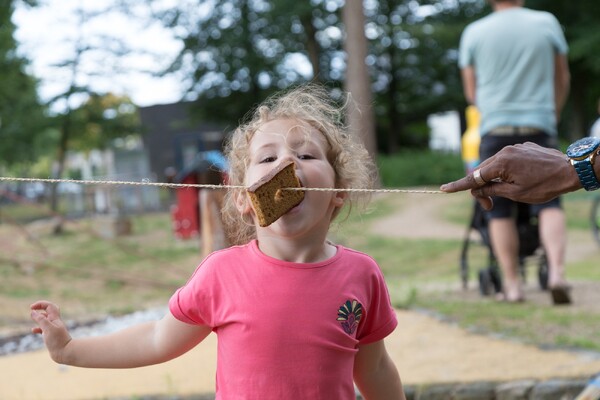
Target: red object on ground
186,213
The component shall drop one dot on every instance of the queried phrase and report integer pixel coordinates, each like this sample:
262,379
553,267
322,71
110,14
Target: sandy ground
424,349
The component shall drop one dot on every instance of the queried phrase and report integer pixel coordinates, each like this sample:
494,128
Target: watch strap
586,174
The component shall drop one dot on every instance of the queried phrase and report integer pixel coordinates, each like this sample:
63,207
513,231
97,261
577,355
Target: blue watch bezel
583,148
581,155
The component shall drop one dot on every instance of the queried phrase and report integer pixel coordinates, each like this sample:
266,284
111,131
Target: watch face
583,147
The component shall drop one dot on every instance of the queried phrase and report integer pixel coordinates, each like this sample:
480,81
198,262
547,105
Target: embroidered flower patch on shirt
349,315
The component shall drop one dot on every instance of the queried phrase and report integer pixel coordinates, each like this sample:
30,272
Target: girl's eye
306,157
267,160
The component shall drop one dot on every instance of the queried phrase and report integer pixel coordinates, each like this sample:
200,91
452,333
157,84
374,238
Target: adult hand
523,172
56,336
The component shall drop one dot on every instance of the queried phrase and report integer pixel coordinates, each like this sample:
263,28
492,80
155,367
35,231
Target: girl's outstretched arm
145,344
375,373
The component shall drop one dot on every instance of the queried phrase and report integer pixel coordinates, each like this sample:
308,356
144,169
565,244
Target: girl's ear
339,198
242,203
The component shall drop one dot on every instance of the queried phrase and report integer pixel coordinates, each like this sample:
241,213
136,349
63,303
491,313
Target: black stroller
490,281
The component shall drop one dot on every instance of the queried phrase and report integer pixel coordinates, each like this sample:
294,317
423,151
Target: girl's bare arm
375,373
145,344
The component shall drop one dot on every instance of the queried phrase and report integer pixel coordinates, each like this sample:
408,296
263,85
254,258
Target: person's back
513,52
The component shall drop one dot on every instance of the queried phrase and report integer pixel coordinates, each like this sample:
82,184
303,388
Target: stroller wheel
543,273
595,218
485,282
489,281
496,279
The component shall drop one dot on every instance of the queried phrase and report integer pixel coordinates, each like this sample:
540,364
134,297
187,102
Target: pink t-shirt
286,330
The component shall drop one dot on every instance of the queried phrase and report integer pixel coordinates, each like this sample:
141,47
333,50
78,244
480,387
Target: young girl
297,316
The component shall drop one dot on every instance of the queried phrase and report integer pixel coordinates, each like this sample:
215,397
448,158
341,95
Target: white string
208,186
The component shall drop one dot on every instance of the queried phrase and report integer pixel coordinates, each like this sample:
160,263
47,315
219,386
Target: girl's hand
53,330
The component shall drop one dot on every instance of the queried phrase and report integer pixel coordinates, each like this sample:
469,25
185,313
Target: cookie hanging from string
269,199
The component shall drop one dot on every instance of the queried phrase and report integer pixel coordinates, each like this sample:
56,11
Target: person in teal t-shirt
514,69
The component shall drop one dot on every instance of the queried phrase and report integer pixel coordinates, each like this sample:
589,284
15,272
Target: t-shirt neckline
288,264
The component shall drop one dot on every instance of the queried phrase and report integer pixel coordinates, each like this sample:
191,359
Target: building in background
173,138
444,131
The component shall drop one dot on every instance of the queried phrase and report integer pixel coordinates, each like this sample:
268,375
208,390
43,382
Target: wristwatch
582,154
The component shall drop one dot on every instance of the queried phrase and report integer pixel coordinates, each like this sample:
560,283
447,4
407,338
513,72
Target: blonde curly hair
310,104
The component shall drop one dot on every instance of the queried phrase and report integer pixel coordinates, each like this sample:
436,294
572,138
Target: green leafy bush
419,168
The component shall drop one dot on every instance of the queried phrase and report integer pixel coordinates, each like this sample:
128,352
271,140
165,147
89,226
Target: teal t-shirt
512,52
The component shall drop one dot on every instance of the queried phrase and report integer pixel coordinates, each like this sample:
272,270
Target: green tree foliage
22,118
414,65
313,29
241,51
102,119
236,52
229,55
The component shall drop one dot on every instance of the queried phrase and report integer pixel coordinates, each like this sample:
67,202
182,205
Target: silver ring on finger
477,177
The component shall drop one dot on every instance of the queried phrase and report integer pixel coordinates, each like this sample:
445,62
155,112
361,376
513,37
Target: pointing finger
462,184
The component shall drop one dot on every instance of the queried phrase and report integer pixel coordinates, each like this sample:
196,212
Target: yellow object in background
471,139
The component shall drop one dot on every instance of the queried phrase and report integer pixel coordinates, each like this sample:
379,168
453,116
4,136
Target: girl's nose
288,156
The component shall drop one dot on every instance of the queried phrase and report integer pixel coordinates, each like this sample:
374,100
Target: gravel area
19,343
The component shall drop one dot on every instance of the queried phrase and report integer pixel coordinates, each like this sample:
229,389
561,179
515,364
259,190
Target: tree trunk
312,46
394,128
358,83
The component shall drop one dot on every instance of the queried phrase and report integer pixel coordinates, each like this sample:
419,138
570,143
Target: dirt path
421,217
424,349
